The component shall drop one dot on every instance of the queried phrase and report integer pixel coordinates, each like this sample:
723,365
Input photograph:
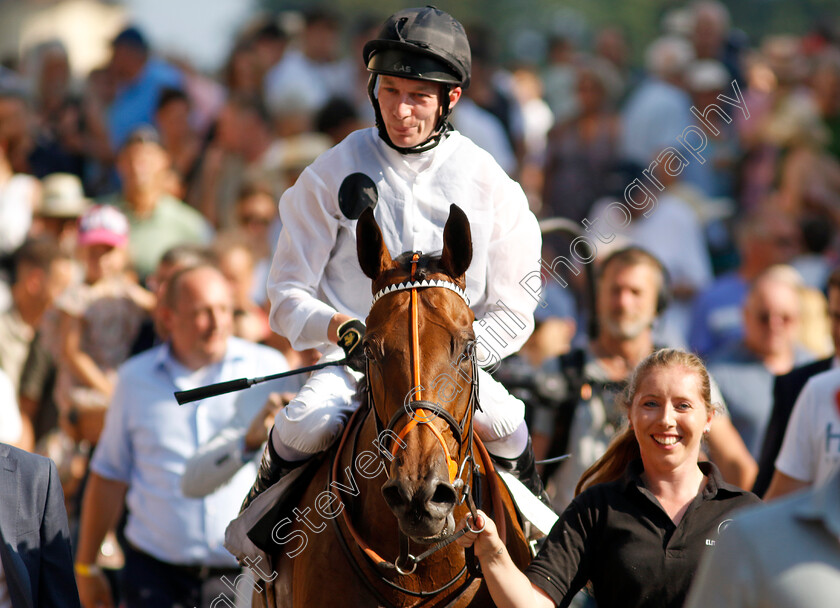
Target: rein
422,413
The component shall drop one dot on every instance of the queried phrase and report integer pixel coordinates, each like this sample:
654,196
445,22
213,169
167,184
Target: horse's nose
434,498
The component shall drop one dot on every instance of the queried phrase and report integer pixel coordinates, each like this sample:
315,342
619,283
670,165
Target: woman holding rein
644,514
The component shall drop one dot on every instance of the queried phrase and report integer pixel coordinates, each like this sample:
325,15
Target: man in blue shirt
140,79
175,554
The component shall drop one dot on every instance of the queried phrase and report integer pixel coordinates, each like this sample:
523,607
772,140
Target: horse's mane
427,265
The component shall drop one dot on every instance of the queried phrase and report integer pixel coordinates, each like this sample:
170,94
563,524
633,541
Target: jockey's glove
350,334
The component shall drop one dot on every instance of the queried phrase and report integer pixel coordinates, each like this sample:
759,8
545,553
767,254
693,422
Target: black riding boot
524,468
272,469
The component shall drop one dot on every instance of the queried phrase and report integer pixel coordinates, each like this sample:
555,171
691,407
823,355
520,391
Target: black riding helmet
423,44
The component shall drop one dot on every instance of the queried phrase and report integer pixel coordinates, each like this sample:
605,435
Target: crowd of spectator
137,202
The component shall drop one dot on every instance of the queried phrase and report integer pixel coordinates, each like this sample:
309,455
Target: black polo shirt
619,537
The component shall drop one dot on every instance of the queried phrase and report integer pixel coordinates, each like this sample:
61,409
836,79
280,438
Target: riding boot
524,468
272,469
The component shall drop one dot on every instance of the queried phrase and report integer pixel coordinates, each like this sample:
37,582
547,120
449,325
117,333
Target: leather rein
423,413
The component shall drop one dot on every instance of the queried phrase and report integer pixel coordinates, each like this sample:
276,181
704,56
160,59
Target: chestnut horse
379,515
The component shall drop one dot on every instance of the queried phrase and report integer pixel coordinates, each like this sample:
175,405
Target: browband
420,284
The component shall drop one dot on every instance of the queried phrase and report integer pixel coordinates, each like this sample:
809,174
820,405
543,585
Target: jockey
409,168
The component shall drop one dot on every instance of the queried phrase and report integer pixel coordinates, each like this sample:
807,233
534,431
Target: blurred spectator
536,114
174,552
309,74
19,194
15,138
177,135
712,38
537,122
611,46
35,552
57,216
559,78
240,147
158,221
764,238
784,555
59,141
787,388
491,89
631,294
41,273
814,263
582,150
269,44
825,85
236,261
242,74
99,321
745,368
810,451
139,81
256,216
669,228
705,80
11,427
658,110
785,138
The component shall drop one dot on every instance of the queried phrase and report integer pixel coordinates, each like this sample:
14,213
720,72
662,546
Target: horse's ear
457,243
370,246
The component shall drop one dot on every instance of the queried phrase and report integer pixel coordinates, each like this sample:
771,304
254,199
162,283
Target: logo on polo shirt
721,527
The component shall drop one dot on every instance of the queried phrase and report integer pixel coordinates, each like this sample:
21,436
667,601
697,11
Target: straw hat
62,196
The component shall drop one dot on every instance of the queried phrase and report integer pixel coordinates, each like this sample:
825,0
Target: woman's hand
485,541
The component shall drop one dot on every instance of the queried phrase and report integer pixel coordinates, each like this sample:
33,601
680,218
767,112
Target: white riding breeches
317,415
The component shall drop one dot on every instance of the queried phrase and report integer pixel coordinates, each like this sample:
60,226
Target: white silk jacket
315,272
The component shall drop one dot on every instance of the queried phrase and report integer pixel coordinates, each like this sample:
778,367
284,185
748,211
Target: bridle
423,413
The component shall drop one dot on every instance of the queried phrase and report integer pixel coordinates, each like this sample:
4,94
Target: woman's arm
79,362
509,587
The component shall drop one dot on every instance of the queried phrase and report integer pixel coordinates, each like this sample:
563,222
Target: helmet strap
442,128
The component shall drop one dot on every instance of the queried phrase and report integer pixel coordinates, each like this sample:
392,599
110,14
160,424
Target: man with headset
632,292
409,169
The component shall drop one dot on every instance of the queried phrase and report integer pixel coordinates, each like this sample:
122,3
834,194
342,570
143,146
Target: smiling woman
645,513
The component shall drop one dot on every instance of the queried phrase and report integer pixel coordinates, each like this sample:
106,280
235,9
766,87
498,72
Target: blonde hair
624,448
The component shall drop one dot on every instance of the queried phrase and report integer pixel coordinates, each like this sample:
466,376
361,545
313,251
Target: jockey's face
411,108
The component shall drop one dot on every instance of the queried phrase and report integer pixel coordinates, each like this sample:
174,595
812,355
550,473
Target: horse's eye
370,352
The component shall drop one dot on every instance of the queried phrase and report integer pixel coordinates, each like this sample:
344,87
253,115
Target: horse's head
420,369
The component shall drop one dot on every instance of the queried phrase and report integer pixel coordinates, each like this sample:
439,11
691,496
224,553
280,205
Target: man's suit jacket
785,391
34,536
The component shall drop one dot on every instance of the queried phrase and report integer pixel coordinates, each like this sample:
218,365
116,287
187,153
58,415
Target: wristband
87,569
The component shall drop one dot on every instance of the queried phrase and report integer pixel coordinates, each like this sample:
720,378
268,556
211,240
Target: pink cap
103,225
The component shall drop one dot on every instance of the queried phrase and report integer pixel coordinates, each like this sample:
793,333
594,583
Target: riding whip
220,388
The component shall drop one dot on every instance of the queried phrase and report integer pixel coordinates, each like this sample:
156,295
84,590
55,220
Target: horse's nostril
444,495
394,497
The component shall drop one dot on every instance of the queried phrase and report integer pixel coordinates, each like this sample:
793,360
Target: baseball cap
103,225
63,196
